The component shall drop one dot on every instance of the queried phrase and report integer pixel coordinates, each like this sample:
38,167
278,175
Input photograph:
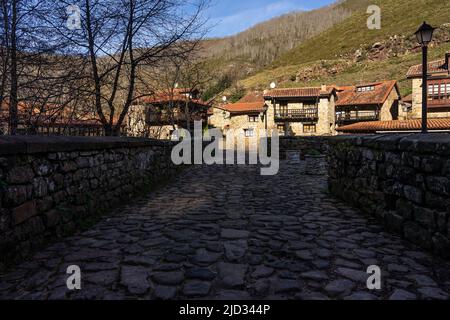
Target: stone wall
403,180
51,185
304,144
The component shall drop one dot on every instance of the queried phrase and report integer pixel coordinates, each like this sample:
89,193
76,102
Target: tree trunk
13,101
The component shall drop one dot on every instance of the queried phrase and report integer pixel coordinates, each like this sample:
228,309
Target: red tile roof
408,98
434,67
252,107
250,103
395,125
300,92
349,96
178,96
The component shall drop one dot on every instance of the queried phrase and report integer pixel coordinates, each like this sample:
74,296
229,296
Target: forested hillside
333,45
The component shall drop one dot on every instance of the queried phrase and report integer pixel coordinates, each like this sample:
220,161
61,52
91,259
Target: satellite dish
176,85
273,85
224,98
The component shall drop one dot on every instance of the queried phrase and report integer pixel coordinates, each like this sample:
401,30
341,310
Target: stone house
36,118
438,89
302,111
410,111
159,115
377,101
313,111
246,117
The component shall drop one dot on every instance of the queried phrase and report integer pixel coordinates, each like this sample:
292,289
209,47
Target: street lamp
424,36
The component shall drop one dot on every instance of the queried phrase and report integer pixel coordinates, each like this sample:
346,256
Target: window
365,88
309,128
438,91
281,129
252,118
249,133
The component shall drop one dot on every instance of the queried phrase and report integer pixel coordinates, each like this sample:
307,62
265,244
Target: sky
228,17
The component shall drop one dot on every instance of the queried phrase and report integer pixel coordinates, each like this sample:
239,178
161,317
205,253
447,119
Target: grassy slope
399,17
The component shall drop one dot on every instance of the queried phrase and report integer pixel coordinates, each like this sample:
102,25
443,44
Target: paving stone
235,250
392,267
261,287
232,275
205,258
262,272
168,278
361,295
135,279
315,275
195,288
104,278
232,295
287,285
164,292
304,255
433,293
200,274
234,234
347,263
340,286
400,294
311,296
355,275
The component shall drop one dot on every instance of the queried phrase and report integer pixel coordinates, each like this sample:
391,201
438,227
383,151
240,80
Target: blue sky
229,17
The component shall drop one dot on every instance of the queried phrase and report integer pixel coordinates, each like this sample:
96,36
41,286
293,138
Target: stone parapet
403,180
49,186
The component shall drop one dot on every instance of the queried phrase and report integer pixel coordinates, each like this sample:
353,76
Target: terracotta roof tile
177,96
434,67
252,107
395,125
300,92
408,98
349,96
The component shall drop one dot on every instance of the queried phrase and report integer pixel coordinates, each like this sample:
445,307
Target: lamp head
424,34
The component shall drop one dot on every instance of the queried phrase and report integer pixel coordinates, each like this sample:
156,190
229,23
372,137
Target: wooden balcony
297,115
439,102
156,118
356,116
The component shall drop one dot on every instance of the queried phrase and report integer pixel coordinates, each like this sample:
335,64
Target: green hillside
337,45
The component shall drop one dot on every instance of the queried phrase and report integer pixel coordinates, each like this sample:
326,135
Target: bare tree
33,75
118,38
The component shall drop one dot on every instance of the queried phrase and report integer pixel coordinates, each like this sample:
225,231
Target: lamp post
424,36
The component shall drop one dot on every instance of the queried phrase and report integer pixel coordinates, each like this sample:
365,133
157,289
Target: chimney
323,88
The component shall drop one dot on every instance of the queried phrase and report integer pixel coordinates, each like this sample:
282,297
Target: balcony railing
438,101
307,114
356,116
155,118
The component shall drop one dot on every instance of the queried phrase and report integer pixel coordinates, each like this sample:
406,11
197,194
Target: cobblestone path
225,232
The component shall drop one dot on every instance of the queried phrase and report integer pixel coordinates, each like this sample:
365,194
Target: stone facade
137,125
225,120
416,111
51,185
324,125
403,180
390,108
